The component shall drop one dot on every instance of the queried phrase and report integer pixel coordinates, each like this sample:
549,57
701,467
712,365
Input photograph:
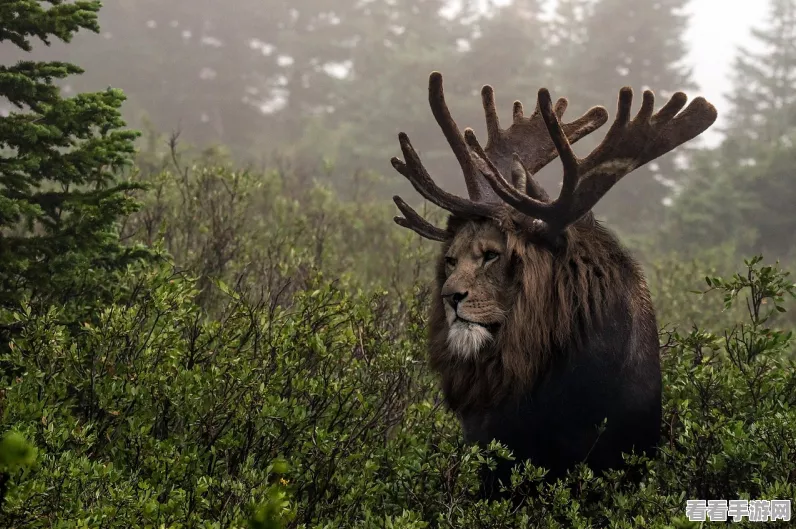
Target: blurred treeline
313,85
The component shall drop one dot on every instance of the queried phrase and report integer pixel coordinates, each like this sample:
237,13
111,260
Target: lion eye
490,256
450,261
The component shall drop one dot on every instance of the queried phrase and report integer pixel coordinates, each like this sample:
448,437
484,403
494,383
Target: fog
329,84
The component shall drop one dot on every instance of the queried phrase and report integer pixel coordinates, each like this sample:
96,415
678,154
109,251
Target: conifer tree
60,196
763,100
753,168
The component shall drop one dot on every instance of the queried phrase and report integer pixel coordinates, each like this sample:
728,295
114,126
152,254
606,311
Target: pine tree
763,101
615,43
753,168
398,43
60,202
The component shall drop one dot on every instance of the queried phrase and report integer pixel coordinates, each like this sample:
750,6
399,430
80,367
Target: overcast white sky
717,28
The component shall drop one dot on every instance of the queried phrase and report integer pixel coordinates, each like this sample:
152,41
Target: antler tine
416,223
529,139
562,146
523,180
476,187
630,144
519,175
534,188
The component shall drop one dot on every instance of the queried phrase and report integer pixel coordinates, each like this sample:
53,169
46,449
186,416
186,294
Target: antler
527,137
524,148
628,145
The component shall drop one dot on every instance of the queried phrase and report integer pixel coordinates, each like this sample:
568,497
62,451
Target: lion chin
467,339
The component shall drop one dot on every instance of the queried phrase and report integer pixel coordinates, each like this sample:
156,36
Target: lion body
575,342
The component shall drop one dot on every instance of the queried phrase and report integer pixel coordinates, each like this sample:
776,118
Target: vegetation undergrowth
324,412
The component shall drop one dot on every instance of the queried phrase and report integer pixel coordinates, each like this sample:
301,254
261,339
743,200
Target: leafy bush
159,416
271,231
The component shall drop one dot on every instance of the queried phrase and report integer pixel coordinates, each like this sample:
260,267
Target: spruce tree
759,148
60,196
753,168
763,101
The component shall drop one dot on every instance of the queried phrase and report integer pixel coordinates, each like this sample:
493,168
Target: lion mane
562,299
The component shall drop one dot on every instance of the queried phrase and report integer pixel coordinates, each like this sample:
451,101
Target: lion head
477,291
508,300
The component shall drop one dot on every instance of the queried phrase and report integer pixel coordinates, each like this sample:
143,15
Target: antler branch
531,143
416,223
628,145
414,171
436,99
527,137
523,149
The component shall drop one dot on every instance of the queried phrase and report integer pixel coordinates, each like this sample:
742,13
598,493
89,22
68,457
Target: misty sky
717,28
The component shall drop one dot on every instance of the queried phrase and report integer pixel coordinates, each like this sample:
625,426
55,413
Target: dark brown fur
583,299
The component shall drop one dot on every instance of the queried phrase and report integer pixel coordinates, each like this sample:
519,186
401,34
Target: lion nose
455,298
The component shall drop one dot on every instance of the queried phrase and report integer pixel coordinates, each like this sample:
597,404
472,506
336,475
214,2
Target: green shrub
159,416
271,232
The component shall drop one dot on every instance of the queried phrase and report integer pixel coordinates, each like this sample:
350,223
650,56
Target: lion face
477,287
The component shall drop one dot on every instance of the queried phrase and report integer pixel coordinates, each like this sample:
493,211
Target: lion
542,327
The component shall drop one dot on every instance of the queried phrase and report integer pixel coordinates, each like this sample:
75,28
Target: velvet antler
531,143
